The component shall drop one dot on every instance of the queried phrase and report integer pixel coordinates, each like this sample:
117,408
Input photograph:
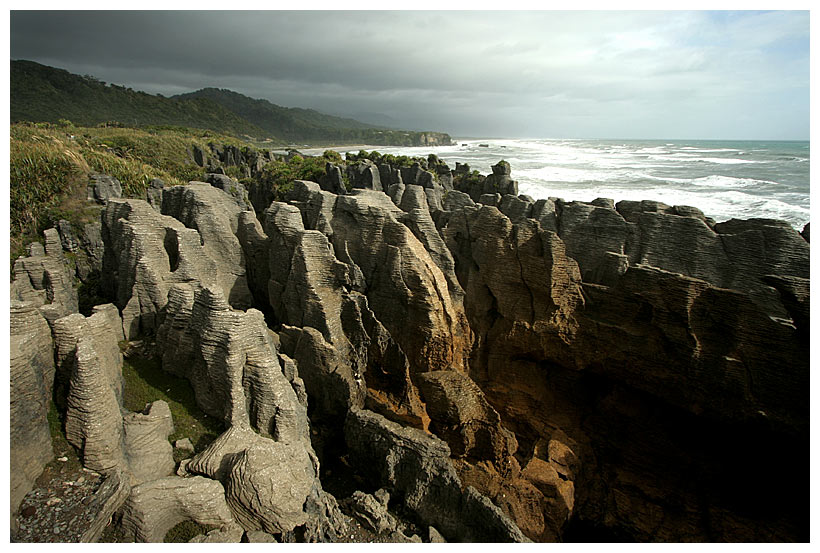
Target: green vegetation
43,93
279,174
467,179
89,293
307,125
378,158
145,381
185,531
49,167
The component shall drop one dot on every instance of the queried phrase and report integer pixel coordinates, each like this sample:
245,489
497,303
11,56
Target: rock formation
43,279
655,339
493,367
155,507
102,188
417,468
89,386
31,377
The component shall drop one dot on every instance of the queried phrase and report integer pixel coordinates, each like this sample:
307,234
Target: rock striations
478,365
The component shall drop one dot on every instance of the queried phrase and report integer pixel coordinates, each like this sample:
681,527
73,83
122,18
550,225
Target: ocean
723,179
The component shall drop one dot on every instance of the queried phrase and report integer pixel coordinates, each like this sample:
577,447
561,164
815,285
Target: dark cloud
469,73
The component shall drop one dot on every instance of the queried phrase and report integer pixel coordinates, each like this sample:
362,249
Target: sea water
724,179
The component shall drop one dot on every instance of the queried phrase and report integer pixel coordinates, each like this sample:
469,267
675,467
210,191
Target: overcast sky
723,75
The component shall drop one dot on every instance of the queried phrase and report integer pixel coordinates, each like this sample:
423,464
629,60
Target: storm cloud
516,74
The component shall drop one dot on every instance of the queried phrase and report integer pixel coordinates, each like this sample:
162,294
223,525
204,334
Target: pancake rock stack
457,362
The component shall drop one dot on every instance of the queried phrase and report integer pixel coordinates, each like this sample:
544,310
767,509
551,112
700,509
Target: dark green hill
289,123
40,93
307,125
43,93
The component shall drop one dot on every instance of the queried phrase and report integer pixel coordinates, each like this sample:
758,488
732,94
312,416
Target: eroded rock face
104,330
464,419
155,507
89,386
148,452
147,253
499,182
93,405
85,244
230,362
649,349
214,213
31,374
582,363
268,484
318,279
405,287
417,468
43,279
371,512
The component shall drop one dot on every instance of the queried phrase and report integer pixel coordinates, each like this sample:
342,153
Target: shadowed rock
102,188
417,468
647,348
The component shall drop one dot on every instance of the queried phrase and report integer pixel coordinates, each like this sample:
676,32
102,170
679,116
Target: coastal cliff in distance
402,351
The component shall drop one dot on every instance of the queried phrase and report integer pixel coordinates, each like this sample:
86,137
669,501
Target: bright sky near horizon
580,74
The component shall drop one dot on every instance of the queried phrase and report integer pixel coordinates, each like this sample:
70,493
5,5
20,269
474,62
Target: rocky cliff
432,356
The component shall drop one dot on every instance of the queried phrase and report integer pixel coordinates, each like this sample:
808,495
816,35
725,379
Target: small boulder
101,188
370,511
184,445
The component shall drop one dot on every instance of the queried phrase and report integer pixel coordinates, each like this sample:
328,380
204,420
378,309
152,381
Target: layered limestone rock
214,213
642,348
231,187
364,174
463,418
606,240
148,453
230,360
31,374
147,253
538,499
270,485
499,182
416,467
89,382
420,222
103,329
43,278
86,245
405,288
345,352
155,507
522,290
93,420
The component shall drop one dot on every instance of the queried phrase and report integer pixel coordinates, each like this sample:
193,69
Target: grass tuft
145,381
185,531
